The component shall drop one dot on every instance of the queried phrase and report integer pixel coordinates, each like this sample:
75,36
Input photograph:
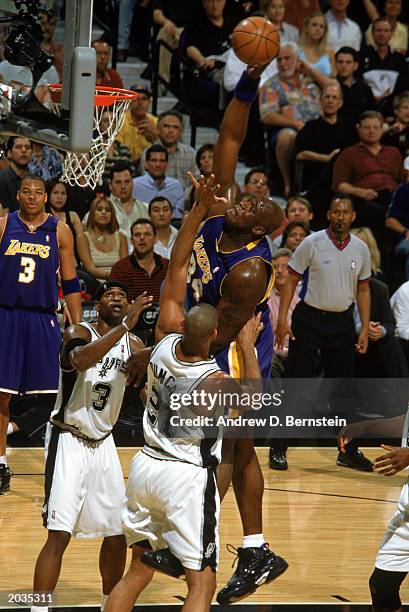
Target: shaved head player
172,497
231,269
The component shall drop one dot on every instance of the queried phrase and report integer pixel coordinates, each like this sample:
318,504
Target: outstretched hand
142,302
205,192
395,460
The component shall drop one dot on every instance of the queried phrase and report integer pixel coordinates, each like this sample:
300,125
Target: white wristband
125,324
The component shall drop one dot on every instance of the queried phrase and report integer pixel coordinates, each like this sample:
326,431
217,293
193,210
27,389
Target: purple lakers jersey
29,264
208,268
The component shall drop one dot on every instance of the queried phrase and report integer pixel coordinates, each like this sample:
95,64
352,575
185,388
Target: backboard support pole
77,33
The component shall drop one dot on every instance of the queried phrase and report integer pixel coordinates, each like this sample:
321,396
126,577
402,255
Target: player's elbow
78,361
79,365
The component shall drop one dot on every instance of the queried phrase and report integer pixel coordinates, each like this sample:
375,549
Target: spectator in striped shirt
143,270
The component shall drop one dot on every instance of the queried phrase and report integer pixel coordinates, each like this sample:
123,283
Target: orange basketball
255,40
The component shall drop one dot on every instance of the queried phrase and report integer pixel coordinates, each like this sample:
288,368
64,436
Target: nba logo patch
47,238
122,348
53,515
52,323
353,264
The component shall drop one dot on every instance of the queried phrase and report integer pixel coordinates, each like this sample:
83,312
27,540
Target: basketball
255,40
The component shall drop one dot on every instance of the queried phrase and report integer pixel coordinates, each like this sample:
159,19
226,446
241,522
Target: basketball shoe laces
241,557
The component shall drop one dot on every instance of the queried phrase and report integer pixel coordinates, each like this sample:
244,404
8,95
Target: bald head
200,322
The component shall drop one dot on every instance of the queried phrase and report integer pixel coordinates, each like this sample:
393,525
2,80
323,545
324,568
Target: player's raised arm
69,280
80,353
171,310
233,131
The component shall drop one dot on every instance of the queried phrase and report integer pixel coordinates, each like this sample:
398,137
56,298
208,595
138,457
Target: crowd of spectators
334,108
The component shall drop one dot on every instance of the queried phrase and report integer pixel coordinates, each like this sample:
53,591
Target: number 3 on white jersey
27,275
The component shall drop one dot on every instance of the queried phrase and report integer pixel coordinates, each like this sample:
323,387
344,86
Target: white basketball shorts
174,505
84,486
393,554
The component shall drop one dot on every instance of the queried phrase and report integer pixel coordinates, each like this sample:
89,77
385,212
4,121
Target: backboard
25,115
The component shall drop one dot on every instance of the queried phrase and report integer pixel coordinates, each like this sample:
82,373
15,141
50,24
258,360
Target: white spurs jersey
168,429
88,403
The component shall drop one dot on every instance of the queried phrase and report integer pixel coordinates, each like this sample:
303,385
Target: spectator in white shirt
161,213
234,69
342,31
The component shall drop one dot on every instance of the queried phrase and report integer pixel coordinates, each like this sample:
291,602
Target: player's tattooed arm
243,288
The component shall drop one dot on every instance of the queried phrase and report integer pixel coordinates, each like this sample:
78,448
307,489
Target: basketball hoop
86,169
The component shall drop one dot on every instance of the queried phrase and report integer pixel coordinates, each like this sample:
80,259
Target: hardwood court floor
325,520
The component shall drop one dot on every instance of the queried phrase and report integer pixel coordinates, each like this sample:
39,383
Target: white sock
39,609
3,459
10,429
104,599
253,541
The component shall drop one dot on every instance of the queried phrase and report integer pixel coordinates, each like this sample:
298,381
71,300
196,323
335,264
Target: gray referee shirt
333,270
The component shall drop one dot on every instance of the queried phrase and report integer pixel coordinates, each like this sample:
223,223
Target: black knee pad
384,587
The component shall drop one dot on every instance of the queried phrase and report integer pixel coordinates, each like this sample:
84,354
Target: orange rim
104,96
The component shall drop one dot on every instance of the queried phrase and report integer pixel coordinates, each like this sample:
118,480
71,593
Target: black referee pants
328,334
328,337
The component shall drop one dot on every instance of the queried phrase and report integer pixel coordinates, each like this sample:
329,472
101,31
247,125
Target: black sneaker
278,460
257,566
5,476
356,461
164,561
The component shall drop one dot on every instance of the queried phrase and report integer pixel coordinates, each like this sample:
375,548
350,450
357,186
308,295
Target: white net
86,169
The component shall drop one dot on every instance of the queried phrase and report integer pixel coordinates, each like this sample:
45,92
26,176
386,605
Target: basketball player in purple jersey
34,246
231,269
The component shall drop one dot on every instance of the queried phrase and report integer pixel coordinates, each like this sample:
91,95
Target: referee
335,268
